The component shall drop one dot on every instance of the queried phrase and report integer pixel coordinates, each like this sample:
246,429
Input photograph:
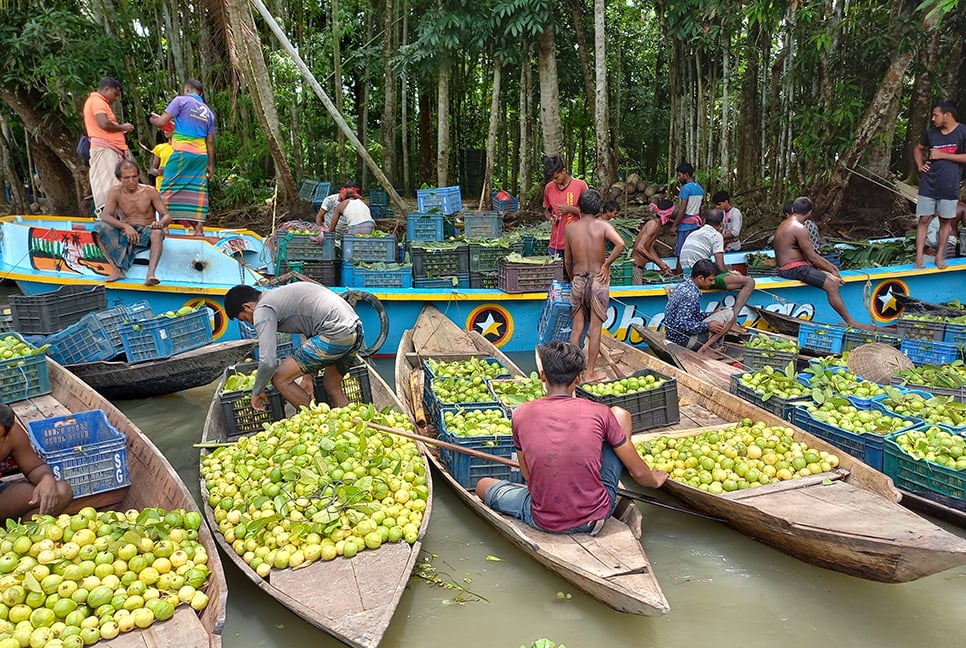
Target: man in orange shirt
108,146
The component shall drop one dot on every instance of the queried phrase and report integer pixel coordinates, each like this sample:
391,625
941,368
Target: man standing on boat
797,259
571,453
108,146
192,164
940,156
331,330
688,215
588,265
134,219
41,493
560,200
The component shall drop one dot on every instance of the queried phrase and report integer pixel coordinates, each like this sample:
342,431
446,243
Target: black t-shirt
941,182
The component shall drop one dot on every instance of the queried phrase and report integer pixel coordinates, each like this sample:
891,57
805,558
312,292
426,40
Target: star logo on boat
492,322
885,306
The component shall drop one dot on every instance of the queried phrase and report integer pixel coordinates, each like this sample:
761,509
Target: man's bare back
788,241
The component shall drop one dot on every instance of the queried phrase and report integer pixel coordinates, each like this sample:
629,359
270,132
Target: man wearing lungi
108,146
192,164
133,220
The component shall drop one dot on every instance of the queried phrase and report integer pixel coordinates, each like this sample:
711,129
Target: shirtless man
130,223
41,493
797,259
643,250
585,263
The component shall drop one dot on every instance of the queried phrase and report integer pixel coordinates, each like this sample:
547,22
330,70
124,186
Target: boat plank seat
37,408
183,630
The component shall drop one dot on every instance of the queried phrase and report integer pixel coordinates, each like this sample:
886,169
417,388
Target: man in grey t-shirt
331,330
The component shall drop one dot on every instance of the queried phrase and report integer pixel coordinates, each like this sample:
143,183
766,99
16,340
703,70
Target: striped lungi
185,186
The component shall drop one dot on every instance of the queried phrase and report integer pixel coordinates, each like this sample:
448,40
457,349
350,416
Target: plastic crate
755,358
362,277
536,245
782,407
442,200
440,262
958,393
285,344
450,282
622,273
923,352
236,406
434,405
922,476
112,318
454,358
482,225
920,329
307,190
85,341
821,337
649,409
369,249
6,320
84,449
493,382
555,323
955,334
484,280
511,204
835,258
305,247
53,311
468,470
881,400
486,258
527,277
23,377
325,272
859,402
378,197
865,447
163,337
355,384
853,339
425,227
322,191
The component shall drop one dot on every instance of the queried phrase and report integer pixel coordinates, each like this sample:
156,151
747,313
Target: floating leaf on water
493,558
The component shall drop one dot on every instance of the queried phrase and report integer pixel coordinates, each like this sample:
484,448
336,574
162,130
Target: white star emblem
887,301
489,326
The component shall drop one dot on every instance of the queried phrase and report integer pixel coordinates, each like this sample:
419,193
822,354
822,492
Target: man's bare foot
941,264
114,276
152,281
919,263
595,377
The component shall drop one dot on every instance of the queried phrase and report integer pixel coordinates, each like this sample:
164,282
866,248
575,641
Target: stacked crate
308,255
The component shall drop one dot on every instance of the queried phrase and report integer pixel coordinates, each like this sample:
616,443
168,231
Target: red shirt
554,196
562,439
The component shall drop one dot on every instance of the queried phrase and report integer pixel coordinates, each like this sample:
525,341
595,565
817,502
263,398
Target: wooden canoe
913,305
847,520
351,599
153,483
611,567
122,380
782,323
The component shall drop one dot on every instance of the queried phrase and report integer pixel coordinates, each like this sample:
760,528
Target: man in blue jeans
571,451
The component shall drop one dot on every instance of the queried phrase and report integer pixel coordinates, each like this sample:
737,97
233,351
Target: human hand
45,495
674,231
604,274
127,127
259,401
716,327
130,232
654,479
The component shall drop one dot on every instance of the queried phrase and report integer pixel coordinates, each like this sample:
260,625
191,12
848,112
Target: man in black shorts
797,259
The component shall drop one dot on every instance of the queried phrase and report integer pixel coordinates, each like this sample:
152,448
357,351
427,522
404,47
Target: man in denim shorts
571,451
331,330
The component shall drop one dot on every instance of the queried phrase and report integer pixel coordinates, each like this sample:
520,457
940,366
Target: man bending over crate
133,220
571,452
41,493
330,327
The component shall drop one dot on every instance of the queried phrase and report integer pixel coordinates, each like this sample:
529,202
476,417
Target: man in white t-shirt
706,242
732,220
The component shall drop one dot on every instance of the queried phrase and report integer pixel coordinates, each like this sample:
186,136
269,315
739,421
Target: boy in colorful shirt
688,215
560,200
732,220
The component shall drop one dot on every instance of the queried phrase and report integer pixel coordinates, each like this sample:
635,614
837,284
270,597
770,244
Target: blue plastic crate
85,341
378,197
163,337
451,282
322,191
782,407
441,200
955,334
881,400
112,318
923,352
424,227
468,470
922,476
285,345
434,405
920,329
509,205
821,337
504,373
858,402
369,249
23,377
555,323
307,190
84,449
482,225
361,277
305,247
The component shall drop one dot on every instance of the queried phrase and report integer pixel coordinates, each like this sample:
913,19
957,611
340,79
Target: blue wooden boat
42,253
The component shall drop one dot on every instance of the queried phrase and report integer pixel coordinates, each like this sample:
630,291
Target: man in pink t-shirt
560,200
571,452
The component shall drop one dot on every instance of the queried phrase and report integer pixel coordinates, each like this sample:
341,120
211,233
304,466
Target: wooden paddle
634,495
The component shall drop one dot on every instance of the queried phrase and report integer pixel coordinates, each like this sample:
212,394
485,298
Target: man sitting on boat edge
685,323
41,493
571,452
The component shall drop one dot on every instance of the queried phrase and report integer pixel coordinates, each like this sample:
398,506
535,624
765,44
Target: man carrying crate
330,327
571,452
42,493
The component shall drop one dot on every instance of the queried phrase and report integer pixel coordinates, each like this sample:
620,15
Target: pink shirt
554,196
562,439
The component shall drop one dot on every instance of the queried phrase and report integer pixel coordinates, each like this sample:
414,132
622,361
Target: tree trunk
389,103
491,135
255,74
524,110
442,125
426,141
18,199
404,106
337,86
749,115
172,23
724,140
549,94
576,10
603,172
